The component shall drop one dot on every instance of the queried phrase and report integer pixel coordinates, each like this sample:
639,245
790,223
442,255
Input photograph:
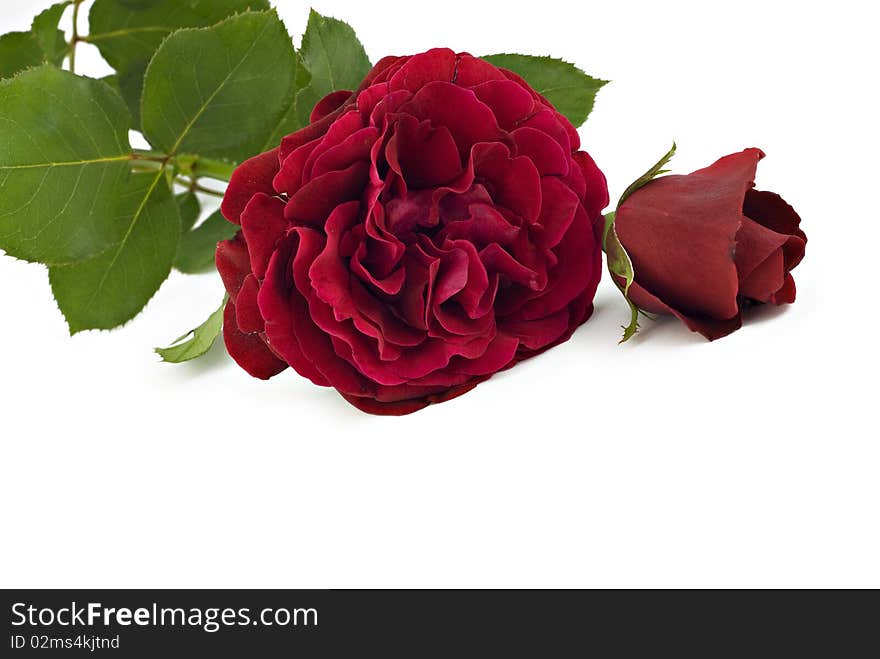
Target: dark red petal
289,178
765,279
484,225
262,224
535,334
390,285
399,408
313,202
509,101
547,121
343,127
499,260
499,353
249,178
330,103
465,116
404,407
424,155
280,303
787,293
760,259
472,71
233,263
543,150
772,211
516,182
247,313
579,269
354,148
248,350
558,207
421,69
596,197
305,135
381,68
711,328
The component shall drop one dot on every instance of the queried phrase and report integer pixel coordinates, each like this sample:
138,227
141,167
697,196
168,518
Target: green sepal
650,175
619,263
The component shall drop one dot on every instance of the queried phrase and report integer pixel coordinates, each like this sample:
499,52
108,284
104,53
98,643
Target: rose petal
468,119
313,202
510,103
249,178
516,182
772,211
471,71
262,224
329,104
543,150
424,155
233,263
247,313
558,207
408,406
595,197
248,350
424,68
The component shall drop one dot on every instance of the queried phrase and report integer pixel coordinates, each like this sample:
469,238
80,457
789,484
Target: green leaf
197,247
128,33
130,82
63,152
619,263
112,288
570,90
18,51
196,342
190,209
219,91
50,39
112,80
650,175
289,121
335,59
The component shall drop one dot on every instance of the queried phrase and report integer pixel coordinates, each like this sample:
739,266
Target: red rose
705,245
420,235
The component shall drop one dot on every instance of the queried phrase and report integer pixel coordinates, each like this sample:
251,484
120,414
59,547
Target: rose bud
420,235
705,246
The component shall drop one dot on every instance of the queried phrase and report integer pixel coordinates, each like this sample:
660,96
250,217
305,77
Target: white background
669,461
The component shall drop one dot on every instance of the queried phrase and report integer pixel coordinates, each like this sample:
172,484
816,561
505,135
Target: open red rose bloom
421,234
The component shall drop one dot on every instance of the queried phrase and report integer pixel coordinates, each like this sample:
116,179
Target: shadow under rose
761,313
672,332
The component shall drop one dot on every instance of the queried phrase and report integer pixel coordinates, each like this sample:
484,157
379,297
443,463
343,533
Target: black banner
291,623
